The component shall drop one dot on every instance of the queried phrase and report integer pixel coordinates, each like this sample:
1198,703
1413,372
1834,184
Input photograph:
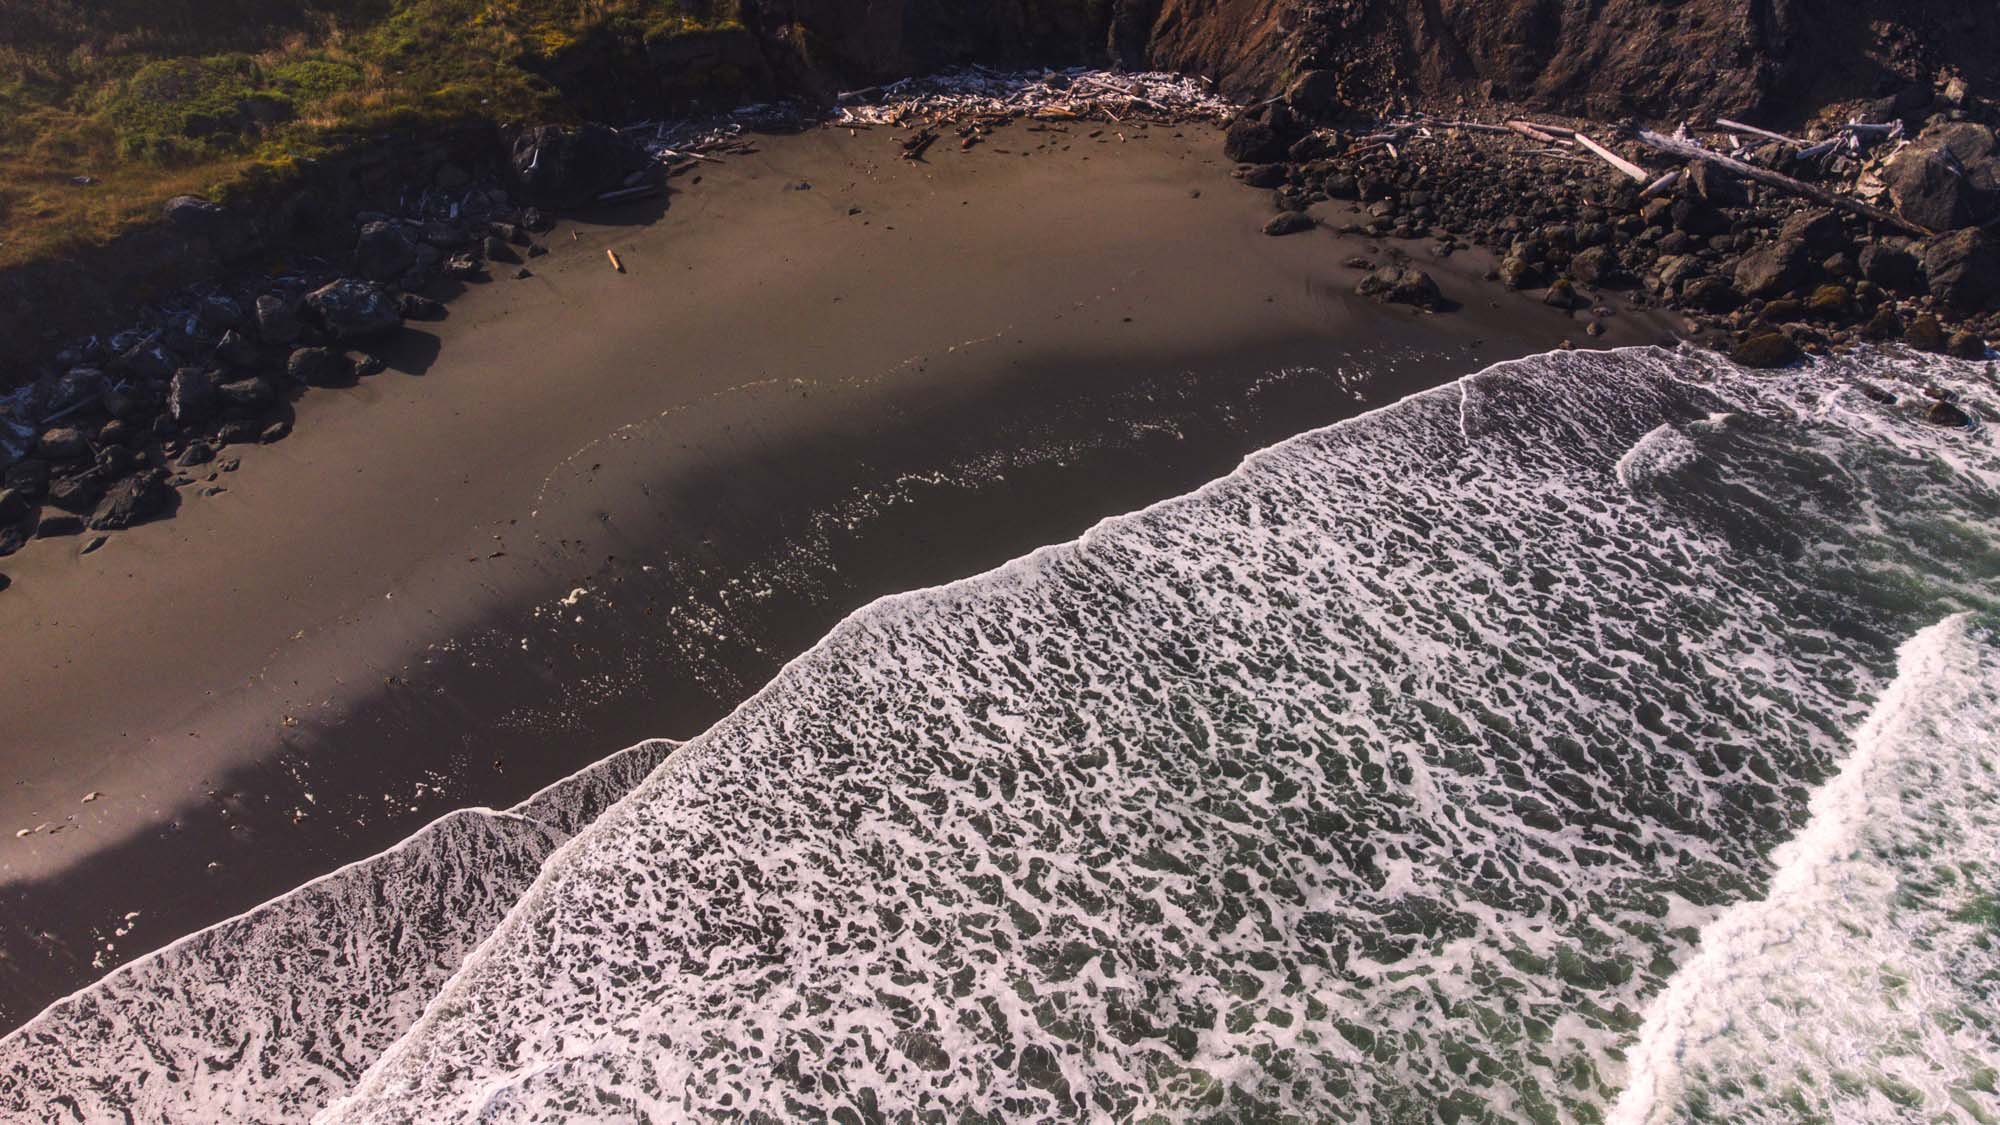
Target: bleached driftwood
1739,127
1688,150
1533,132
1636,173
615,263
1662,185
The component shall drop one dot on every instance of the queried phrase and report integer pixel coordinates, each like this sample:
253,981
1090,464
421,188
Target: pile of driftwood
969,103
1057,95
1729,154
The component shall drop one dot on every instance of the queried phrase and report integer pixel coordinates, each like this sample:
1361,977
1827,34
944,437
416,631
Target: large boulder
1890,267
277,321
1947,178
1401,286
1253,138
1314,95
1963,269
1819,230
319,367
384,251
1774,269
191,395
135,499
354,310
567,168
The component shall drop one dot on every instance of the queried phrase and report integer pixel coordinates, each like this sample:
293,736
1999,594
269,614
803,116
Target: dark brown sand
593,507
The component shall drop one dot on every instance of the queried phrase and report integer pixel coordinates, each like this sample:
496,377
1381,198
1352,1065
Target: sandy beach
597,506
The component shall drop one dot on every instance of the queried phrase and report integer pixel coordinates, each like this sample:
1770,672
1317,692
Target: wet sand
593,507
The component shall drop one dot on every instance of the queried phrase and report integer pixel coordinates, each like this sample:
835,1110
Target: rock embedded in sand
1289,222
350,309
318,367
59,525
1966,345
1402,286
384,250
77,494
135,499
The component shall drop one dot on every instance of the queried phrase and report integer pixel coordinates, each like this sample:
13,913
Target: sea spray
1863,987
1389,777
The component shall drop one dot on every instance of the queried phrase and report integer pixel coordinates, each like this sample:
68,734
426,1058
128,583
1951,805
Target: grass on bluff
149,99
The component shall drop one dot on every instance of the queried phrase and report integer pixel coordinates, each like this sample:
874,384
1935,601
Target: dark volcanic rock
1402,286
277,322
1774,269
228,234
1947,178
63,445
353,310
1943,413
1515,273
1966,345
1314,95
1699,218
246,394
384,251
1819,231
1768,349
558,167
135,499
1263,175
318,367
1252,140
29,477
1288,222
56,525
236,350
415,306
1963,269
1925,334
78,494
1891,267
191,395
1597,265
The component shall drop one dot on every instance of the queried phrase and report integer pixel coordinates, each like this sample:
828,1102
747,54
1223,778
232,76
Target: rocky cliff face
1779,60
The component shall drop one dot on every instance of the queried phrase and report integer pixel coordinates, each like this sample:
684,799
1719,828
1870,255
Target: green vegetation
110,107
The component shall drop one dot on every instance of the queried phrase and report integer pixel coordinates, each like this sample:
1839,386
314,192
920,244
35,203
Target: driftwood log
1739,127
1688,150
1636,173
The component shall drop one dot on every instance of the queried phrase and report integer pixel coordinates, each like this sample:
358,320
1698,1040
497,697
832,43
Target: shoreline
1088,338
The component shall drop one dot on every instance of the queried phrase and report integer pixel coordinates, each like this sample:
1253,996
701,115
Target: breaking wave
269,1015
1395,776
1536,748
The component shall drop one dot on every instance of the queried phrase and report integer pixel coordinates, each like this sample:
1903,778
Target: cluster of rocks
103,438
1765,274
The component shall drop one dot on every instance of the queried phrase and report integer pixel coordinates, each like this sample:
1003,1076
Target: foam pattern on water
1864,987
267,1016
1387,778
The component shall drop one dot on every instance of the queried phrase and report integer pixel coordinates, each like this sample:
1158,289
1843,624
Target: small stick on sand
615,263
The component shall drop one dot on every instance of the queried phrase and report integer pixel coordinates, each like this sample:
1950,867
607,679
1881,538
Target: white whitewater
267,1016
1866,985
1390,778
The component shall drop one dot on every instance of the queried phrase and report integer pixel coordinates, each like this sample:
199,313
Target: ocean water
269,1015
1605,734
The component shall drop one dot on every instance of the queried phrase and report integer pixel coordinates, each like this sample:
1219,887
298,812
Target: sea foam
268,1015
1392,776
